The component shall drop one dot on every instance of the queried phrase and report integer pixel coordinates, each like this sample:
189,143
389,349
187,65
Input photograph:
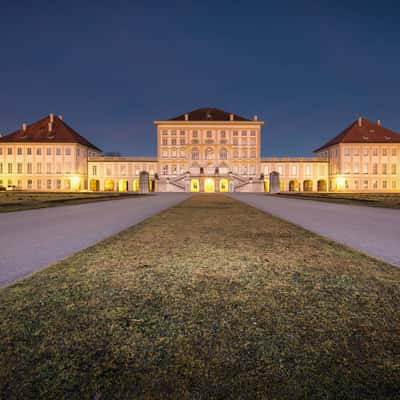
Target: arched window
209,154
195,154
223,154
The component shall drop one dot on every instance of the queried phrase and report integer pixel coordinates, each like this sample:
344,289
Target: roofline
159,122
294,159
121,159
45,142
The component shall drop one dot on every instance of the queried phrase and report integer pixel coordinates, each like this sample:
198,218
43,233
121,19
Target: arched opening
152,184
123,185
209,185
294,186
108,185
322,186
282,185
135,186
195,185
223,154
266,185
209,154
223,185
94,185
195,154
307,186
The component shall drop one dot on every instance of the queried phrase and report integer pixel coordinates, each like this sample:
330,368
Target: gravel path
33,239
373,230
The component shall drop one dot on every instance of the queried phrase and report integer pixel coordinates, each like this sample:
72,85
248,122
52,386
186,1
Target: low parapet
294,159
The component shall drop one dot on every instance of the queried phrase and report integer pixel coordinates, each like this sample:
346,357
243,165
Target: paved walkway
372,230
30,240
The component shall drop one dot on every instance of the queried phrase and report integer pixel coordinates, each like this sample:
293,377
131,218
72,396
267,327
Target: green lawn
17,201
211,299
387,200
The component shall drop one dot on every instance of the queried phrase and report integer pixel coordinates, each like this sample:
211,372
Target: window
67,151
39,151
356,151
384,184
235,133
375,151
165,153
394,169
393,184
244,133
252,133
209,154
94,170
29,151
347,168
294,170
375,184
165,133
253,141
223,154
165,170
1,151
173,133
375,168
58,151
182,141
182,153
48,185
173,169
394,152
9,168
39,184
19,168
68,168
19,151
173,141
365,184
195,134
346,151
165,142
356,185
280,169
29,184
48,151
308,170
48,168
58,183
356,168
173,153
209,134
266,170
58,168
365,168
235,141
39,168
182,133
384,151
244,153
9,151
252,153
366,151
244,141
195,154
78,152
384,169
1,168
223,134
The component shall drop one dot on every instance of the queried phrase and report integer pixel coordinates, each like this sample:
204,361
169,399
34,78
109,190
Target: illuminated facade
206,150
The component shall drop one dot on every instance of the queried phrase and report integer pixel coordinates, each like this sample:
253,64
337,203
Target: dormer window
208,116
387,137
365,137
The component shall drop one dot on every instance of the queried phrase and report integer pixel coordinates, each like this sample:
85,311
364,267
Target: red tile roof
368,132
39,132
208,114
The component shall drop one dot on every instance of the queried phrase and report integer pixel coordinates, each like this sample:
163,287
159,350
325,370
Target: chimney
255,117
186,117
359,121
24,127
378,121
60,117
50,127
230,117
51,117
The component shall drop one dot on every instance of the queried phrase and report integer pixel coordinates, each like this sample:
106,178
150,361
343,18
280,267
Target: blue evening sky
307,68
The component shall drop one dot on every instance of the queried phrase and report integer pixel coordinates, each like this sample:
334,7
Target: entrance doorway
194,185
223,185
209,185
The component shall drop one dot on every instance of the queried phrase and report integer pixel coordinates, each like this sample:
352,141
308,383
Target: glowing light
340,181
75,182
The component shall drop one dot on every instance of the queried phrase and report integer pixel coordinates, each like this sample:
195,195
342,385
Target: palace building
205,150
